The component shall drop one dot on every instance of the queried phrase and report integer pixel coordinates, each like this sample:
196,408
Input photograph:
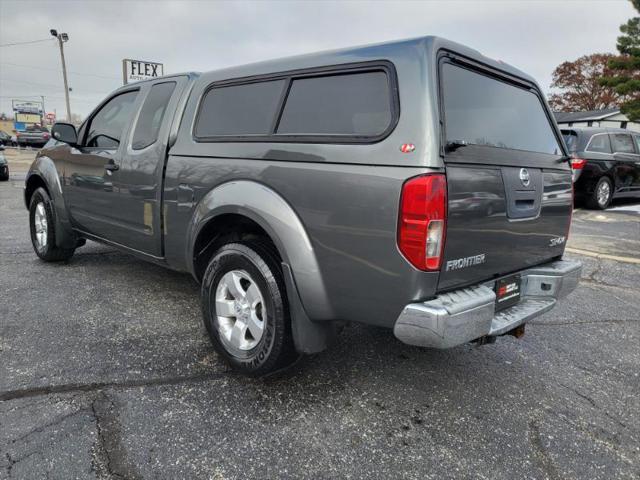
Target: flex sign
136,70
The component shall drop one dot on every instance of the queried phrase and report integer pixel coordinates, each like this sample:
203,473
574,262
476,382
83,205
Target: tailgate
509,189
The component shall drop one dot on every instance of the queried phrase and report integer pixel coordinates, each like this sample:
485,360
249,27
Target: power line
25,43
15,97
29,83
56,70
50,85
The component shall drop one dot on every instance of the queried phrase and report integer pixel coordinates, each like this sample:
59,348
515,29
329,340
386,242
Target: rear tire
245,309
42,226
602,194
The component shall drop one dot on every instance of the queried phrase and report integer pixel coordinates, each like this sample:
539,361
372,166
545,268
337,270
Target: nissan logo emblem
524,177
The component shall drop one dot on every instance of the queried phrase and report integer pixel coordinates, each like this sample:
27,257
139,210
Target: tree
625,75
580,86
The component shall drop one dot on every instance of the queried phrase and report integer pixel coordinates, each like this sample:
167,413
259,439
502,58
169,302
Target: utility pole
62,38
44,111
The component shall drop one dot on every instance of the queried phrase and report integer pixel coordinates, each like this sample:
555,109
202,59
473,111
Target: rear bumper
464,315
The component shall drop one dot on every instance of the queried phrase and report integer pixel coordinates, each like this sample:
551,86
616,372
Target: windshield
482,110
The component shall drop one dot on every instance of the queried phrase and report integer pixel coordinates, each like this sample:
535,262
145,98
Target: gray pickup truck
415,185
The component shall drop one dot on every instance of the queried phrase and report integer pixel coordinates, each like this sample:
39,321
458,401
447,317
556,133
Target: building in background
609,117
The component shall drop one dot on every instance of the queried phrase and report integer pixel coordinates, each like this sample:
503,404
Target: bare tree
580,87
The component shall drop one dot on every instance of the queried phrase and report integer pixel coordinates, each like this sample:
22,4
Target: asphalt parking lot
106,372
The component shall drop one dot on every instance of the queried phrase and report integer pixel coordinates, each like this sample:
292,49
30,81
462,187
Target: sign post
136,70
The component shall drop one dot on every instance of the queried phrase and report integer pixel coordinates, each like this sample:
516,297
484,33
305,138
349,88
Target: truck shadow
363,356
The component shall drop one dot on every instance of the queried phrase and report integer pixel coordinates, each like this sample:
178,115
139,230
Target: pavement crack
540,452
586,322
13,461
581,395
101,459
10,463
53,423
79,254
589,281
593,403
97,386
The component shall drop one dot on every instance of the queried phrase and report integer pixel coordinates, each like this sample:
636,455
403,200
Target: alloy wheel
41,226
240,311
604,191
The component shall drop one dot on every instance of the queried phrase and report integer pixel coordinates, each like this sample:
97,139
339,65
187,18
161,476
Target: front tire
602,194
42,226
245,310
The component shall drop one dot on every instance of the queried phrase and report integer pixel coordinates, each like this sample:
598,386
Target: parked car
6,139
606,164
309,191
33,136
4,165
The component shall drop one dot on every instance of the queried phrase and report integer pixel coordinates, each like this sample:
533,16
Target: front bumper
467,314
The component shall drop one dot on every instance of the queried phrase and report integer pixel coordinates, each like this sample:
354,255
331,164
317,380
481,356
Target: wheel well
223,229
34,182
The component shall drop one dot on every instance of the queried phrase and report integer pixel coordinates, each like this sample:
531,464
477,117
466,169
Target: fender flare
272,212
45,169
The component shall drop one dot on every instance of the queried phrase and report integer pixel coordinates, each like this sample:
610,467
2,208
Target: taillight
45,135
573,192
578,163
422,223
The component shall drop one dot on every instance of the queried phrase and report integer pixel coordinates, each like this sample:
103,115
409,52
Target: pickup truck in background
33,136
415,185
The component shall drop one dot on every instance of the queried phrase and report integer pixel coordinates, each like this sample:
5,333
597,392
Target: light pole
62,38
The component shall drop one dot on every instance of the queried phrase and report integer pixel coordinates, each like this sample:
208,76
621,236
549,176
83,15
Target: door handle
112,167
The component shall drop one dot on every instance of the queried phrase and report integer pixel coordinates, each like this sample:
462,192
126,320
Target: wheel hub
603,193
41,226
240,313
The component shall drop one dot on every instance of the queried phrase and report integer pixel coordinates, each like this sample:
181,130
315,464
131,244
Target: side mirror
65,132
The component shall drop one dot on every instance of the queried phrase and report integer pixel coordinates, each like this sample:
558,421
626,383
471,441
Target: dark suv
415,185
606,164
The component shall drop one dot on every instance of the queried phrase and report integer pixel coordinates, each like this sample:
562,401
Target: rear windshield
485,111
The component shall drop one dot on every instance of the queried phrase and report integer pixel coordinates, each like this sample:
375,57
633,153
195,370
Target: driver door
92,169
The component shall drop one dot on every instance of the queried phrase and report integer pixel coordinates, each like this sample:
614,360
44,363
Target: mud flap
308,336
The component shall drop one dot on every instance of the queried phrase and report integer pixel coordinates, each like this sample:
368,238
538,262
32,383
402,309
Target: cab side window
622,143
151,115
600,144
106,127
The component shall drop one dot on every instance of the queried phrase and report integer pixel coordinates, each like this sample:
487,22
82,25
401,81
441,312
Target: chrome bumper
464,315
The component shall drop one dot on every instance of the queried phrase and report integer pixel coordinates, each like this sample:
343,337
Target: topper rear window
483,110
